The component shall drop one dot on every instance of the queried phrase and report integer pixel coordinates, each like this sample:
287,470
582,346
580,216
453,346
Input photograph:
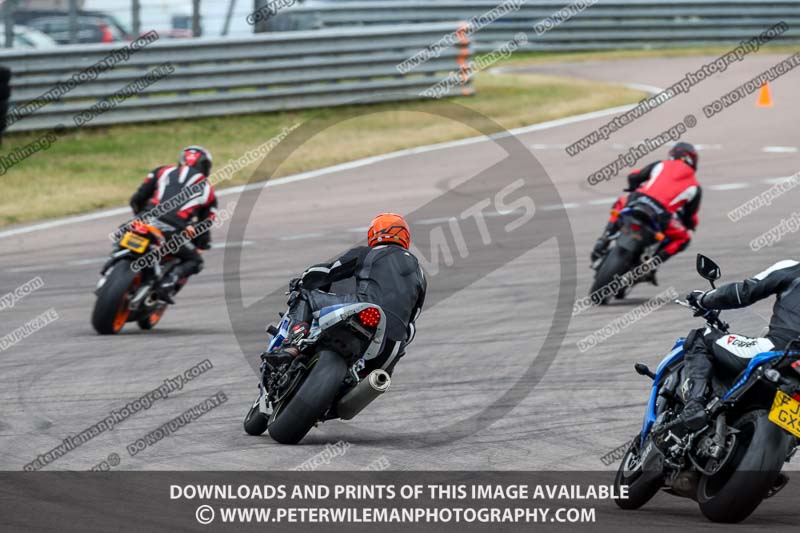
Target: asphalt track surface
470,347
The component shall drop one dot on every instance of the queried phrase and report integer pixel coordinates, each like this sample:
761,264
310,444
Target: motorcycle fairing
755,362
283,334
650,415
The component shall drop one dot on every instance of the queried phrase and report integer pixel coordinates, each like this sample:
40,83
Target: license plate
134,242
785,413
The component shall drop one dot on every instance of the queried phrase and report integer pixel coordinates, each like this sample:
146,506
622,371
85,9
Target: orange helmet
389,228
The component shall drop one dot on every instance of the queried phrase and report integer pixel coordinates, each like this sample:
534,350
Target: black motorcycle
629,259
732,464
325,381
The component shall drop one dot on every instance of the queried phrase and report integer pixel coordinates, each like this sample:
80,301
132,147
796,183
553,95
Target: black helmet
686,152
197,157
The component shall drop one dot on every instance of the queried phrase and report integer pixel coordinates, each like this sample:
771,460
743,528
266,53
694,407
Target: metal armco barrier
211,77
605,24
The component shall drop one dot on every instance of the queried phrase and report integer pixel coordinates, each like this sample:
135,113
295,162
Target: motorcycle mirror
708,269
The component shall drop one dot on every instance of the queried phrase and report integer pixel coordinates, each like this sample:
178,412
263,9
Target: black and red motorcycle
126,291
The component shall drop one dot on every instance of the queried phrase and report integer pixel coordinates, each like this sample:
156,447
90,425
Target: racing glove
695,299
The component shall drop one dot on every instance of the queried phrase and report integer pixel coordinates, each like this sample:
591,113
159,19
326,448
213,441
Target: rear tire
292,421
735,492
111,308
642,485
255,423
617,263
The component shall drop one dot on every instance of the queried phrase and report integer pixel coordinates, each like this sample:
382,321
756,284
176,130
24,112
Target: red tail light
635,227
370,317
107,37
140,227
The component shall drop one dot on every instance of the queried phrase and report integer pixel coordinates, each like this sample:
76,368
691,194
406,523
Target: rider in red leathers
671,191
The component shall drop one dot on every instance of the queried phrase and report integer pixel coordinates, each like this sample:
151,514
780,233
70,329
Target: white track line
335,168
728,186
300,237
780,149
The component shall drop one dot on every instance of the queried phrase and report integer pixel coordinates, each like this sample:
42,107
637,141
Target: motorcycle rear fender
333,315
628,242
109,265
114,259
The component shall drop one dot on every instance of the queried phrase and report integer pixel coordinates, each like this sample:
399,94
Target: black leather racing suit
387,275
710,350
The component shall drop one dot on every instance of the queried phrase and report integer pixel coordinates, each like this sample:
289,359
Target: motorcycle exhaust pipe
363,394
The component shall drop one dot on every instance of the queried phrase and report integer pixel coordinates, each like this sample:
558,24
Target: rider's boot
168,287
651,277
694,415
289,349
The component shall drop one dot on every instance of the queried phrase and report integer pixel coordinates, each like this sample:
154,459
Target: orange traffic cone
764,96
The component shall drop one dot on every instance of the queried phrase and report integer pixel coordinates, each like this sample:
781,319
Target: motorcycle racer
670,190
710,351
386,273
187,187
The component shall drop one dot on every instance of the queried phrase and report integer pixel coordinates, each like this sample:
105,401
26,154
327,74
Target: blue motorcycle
732,464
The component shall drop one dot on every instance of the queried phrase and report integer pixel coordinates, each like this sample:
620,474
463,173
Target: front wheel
737,490
111,308
617,263
255,423
291,421
642,484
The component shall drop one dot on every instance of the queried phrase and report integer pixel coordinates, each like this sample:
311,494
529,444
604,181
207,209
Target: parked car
93,26
25,37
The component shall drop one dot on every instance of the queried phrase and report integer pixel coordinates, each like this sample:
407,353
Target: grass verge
94,168
527,58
